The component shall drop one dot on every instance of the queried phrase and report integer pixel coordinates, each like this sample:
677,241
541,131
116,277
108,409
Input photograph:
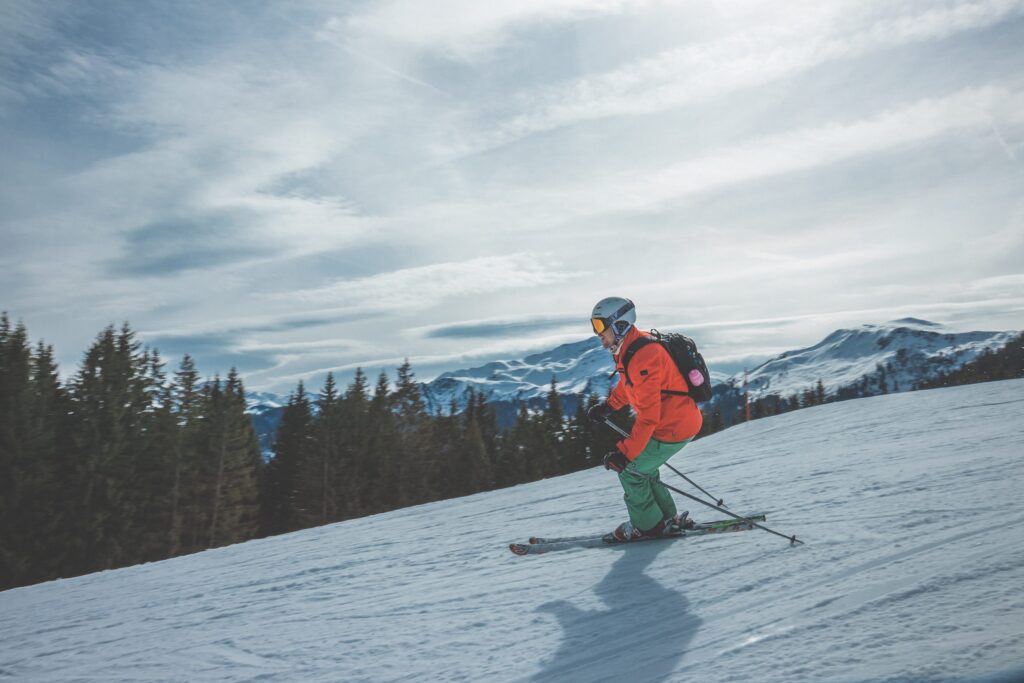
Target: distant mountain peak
916,322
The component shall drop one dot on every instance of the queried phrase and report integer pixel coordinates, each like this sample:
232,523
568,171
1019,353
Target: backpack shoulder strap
636,346
631,351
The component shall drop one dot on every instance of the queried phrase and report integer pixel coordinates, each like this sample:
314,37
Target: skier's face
607,338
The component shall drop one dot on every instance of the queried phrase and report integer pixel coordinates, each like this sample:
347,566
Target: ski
534,540
539,545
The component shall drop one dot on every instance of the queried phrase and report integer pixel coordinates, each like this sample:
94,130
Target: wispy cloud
417,288
25,28
800,150
466,29
498,327
786,45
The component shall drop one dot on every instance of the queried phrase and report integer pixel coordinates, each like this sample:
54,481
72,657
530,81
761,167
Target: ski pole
625,434
792,539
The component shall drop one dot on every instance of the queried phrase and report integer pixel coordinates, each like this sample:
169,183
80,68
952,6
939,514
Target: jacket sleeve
646,370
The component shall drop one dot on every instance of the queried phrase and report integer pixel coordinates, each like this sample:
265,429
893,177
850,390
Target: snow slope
912,571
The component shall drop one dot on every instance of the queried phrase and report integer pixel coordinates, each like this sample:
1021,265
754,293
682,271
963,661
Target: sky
299,188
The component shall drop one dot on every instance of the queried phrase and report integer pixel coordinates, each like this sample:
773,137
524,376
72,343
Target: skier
666,420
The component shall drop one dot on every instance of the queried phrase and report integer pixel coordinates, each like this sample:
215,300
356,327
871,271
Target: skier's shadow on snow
642,634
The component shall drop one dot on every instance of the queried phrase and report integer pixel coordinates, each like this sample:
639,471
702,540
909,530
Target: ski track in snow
912,571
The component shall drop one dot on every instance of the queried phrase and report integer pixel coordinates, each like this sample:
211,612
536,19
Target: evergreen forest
127,462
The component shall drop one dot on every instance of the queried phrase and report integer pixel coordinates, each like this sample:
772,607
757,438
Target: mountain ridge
908,351
918,348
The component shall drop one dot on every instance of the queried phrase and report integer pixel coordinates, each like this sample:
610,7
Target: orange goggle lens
599,324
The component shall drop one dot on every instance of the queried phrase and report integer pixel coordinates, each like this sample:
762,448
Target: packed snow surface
913,570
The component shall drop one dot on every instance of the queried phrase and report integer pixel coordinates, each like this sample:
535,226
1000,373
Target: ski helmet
616,313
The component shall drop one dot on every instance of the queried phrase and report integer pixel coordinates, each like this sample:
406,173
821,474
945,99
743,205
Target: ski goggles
601,324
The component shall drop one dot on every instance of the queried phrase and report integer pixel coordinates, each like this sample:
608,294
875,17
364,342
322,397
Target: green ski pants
649,503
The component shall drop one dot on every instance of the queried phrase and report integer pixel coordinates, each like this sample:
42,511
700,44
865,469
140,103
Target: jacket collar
631,336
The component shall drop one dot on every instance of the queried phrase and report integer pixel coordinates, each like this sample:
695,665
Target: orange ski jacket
665,417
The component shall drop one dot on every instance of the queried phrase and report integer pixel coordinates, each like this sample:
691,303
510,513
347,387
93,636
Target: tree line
121,464
361,451
991,364
126,462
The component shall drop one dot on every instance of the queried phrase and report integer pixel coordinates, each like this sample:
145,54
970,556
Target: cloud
425,286
215,352
500,328
246,348
171,247
202,187
466,29
25,28
800,150
237,331
787,44
998,285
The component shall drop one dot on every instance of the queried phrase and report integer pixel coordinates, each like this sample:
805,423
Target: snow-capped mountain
265,409
259,402
912,569
578,368
910,350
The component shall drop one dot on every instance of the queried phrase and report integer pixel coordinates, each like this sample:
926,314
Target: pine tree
283,510
477,469
198,463
580,435
50,519
321,481
509,467
155,456
233,443
186,485
418,469
26,454
531,440
379,465
104,410
356,444
552,441
488,421
446,441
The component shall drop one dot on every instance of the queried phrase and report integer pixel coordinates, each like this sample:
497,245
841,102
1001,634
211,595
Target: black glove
600,412
615,460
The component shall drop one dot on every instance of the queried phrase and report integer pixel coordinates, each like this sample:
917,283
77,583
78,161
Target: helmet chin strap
618,343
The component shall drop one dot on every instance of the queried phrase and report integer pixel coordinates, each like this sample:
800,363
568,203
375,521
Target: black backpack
684,354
